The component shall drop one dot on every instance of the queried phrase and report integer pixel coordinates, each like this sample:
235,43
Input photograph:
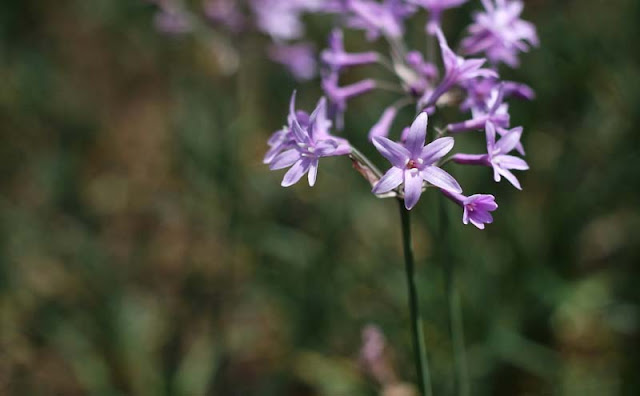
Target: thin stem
358,156
456,327
419,348
389,86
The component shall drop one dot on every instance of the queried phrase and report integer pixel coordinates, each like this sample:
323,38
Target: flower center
414,164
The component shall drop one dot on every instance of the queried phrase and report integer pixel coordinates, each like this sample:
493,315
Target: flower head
301,144
500,33
413,163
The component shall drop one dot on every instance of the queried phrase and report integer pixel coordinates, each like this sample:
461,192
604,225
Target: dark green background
146,250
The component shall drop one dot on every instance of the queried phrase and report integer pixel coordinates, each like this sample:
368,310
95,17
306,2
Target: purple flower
457,70
336,58
435,8
496,113
480,92
298,58
338,96
497,155
386,18
476,207
500,33
413,163
303,143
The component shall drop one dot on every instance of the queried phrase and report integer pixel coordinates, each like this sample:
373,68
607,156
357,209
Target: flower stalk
419,347
456,326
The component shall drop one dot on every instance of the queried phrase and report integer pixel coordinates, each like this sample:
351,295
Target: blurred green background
146,250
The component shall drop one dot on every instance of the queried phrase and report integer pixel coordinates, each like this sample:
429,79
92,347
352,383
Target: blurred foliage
145,249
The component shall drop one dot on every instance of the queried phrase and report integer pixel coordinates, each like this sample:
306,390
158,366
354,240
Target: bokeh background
146,250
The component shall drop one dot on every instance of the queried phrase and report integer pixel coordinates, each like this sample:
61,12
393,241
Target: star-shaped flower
413,163
303,143
497,155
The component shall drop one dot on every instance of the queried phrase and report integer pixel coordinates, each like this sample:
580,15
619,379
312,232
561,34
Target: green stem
419,348
358,156
456,327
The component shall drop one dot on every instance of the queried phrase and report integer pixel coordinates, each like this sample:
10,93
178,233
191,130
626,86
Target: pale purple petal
449,58
511,162
510,177
394,152
271,154
441,178
412,187
325,148
285,159
509,141
479,224
296,172
490,130
300,134
417,135
292,107
437,149
392,179
313,171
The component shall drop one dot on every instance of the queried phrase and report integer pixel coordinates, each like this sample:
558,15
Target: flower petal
511,162
397,154
301,135
490,131
417,135
511,177
296,172
317,119
285,159
313,171
326,147
412,187
441,178
392,179
449,58
437,149
477,223
509,140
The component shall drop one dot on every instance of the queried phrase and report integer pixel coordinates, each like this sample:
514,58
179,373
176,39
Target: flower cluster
281,20
496,36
